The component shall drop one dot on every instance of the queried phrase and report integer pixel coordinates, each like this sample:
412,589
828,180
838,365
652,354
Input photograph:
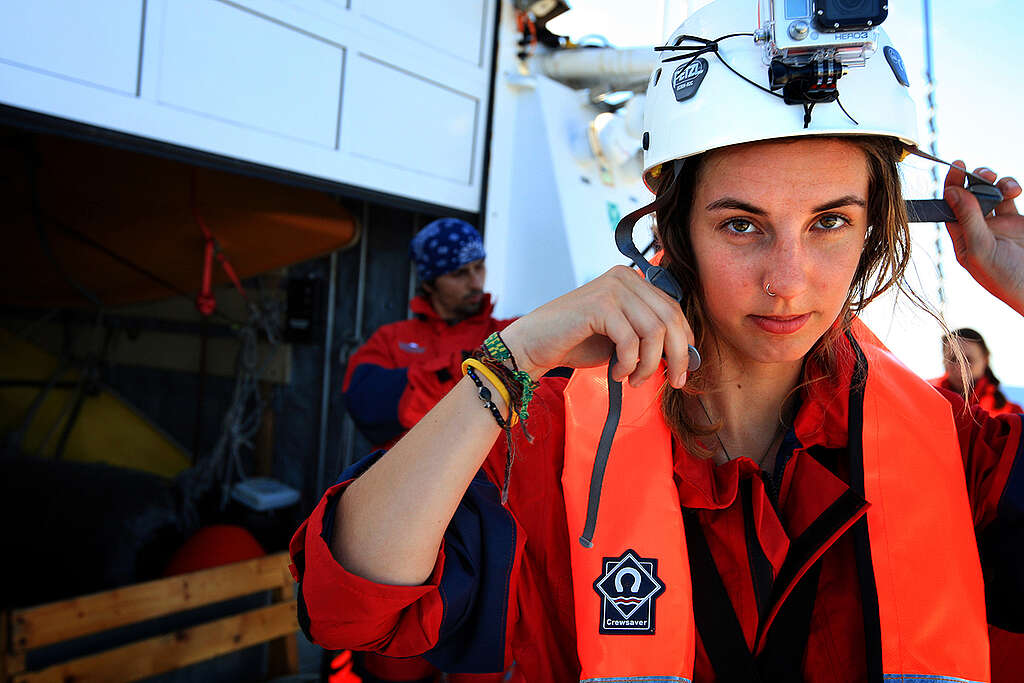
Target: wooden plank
51,623
283,653
174,650
11,664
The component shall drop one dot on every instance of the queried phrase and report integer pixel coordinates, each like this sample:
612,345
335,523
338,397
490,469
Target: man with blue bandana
406,367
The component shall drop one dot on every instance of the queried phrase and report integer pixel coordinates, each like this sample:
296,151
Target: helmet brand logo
899,69
687,78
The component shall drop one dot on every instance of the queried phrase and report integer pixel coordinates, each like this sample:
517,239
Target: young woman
983,385
801,507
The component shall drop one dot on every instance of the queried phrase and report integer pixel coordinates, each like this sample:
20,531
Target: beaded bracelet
489,375
485,395
505,379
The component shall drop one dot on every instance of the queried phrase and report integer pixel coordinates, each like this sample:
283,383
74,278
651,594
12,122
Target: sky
978,60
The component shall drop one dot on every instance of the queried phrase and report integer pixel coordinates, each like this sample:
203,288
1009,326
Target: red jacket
500,597
1007,647
983,394
406,367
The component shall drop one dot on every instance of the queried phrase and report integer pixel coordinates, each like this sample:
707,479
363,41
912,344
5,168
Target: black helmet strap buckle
937,210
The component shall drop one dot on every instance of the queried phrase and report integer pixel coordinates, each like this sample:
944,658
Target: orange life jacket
635,580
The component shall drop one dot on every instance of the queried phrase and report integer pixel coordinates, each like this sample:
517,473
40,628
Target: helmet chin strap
663,280
656,275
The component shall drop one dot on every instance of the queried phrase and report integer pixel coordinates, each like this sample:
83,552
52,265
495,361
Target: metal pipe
605,67
348,427
361,284
325,377
417,223
933,147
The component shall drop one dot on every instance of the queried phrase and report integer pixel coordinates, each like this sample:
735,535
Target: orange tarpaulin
140,207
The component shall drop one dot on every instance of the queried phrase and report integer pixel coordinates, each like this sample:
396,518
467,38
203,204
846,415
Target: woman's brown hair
882,265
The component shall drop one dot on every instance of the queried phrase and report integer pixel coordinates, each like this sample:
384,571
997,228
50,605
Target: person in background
406,367
1007,649
984,390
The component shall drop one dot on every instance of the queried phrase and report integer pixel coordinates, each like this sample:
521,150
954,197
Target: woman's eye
740,226
831,222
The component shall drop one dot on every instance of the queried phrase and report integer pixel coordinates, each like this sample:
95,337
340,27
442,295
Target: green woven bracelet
495,347
528,386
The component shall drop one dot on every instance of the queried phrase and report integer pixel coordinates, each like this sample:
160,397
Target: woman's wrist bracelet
485,395
496,349
514,385
485,372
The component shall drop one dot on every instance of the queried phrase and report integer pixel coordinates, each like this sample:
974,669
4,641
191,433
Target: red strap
206,302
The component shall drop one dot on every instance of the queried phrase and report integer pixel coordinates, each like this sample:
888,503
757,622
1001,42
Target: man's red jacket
406,367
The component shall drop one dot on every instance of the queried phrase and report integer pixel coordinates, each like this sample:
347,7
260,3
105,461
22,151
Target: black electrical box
304,320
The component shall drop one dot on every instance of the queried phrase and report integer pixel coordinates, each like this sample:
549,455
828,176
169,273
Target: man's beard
468,308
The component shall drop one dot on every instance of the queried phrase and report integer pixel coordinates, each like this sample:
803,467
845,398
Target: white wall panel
412,123
385,95
278,79
95,42
457,28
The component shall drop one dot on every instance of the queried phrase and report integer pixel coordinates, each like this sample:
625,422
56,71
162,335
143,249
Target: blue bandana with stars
445,245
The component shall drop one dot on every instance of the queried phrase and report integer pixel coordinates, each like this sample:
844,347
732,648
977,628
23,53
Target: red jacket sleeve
461,618
339,610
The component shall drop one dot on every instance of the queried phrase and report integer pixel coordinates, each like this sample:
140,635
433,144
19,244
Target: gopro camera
810,44
800,31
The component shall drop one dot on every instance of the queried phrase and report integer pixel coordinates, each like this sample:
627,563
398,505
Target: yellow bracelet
488,374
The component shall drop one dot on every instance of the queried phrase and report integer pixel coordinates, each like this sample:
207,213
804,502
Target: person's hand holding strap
991,248
617,311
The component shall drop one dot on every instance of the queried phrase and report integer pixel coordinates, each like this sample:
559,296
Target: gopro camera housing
798,32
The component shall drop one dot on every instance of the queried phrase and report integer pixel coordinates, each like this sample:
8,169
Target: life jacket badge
628,589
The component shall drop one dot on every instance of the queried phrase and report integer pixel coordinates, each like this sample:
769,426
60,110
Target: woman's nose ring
768,289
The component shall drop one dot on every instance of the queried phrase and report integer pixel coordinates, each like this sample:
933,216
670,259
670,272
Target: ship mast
929,75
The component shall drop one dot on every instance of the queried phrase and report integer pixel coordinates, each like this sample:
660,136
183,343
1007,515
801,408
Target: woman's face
977,361
792,214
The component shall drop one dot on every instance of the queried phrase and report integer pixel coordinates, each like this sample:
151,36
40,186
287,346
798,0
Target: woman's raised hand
991,248
617,311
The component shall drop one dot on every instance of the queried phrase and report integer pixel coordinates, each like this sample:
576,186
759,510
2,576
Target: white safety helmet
718,108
